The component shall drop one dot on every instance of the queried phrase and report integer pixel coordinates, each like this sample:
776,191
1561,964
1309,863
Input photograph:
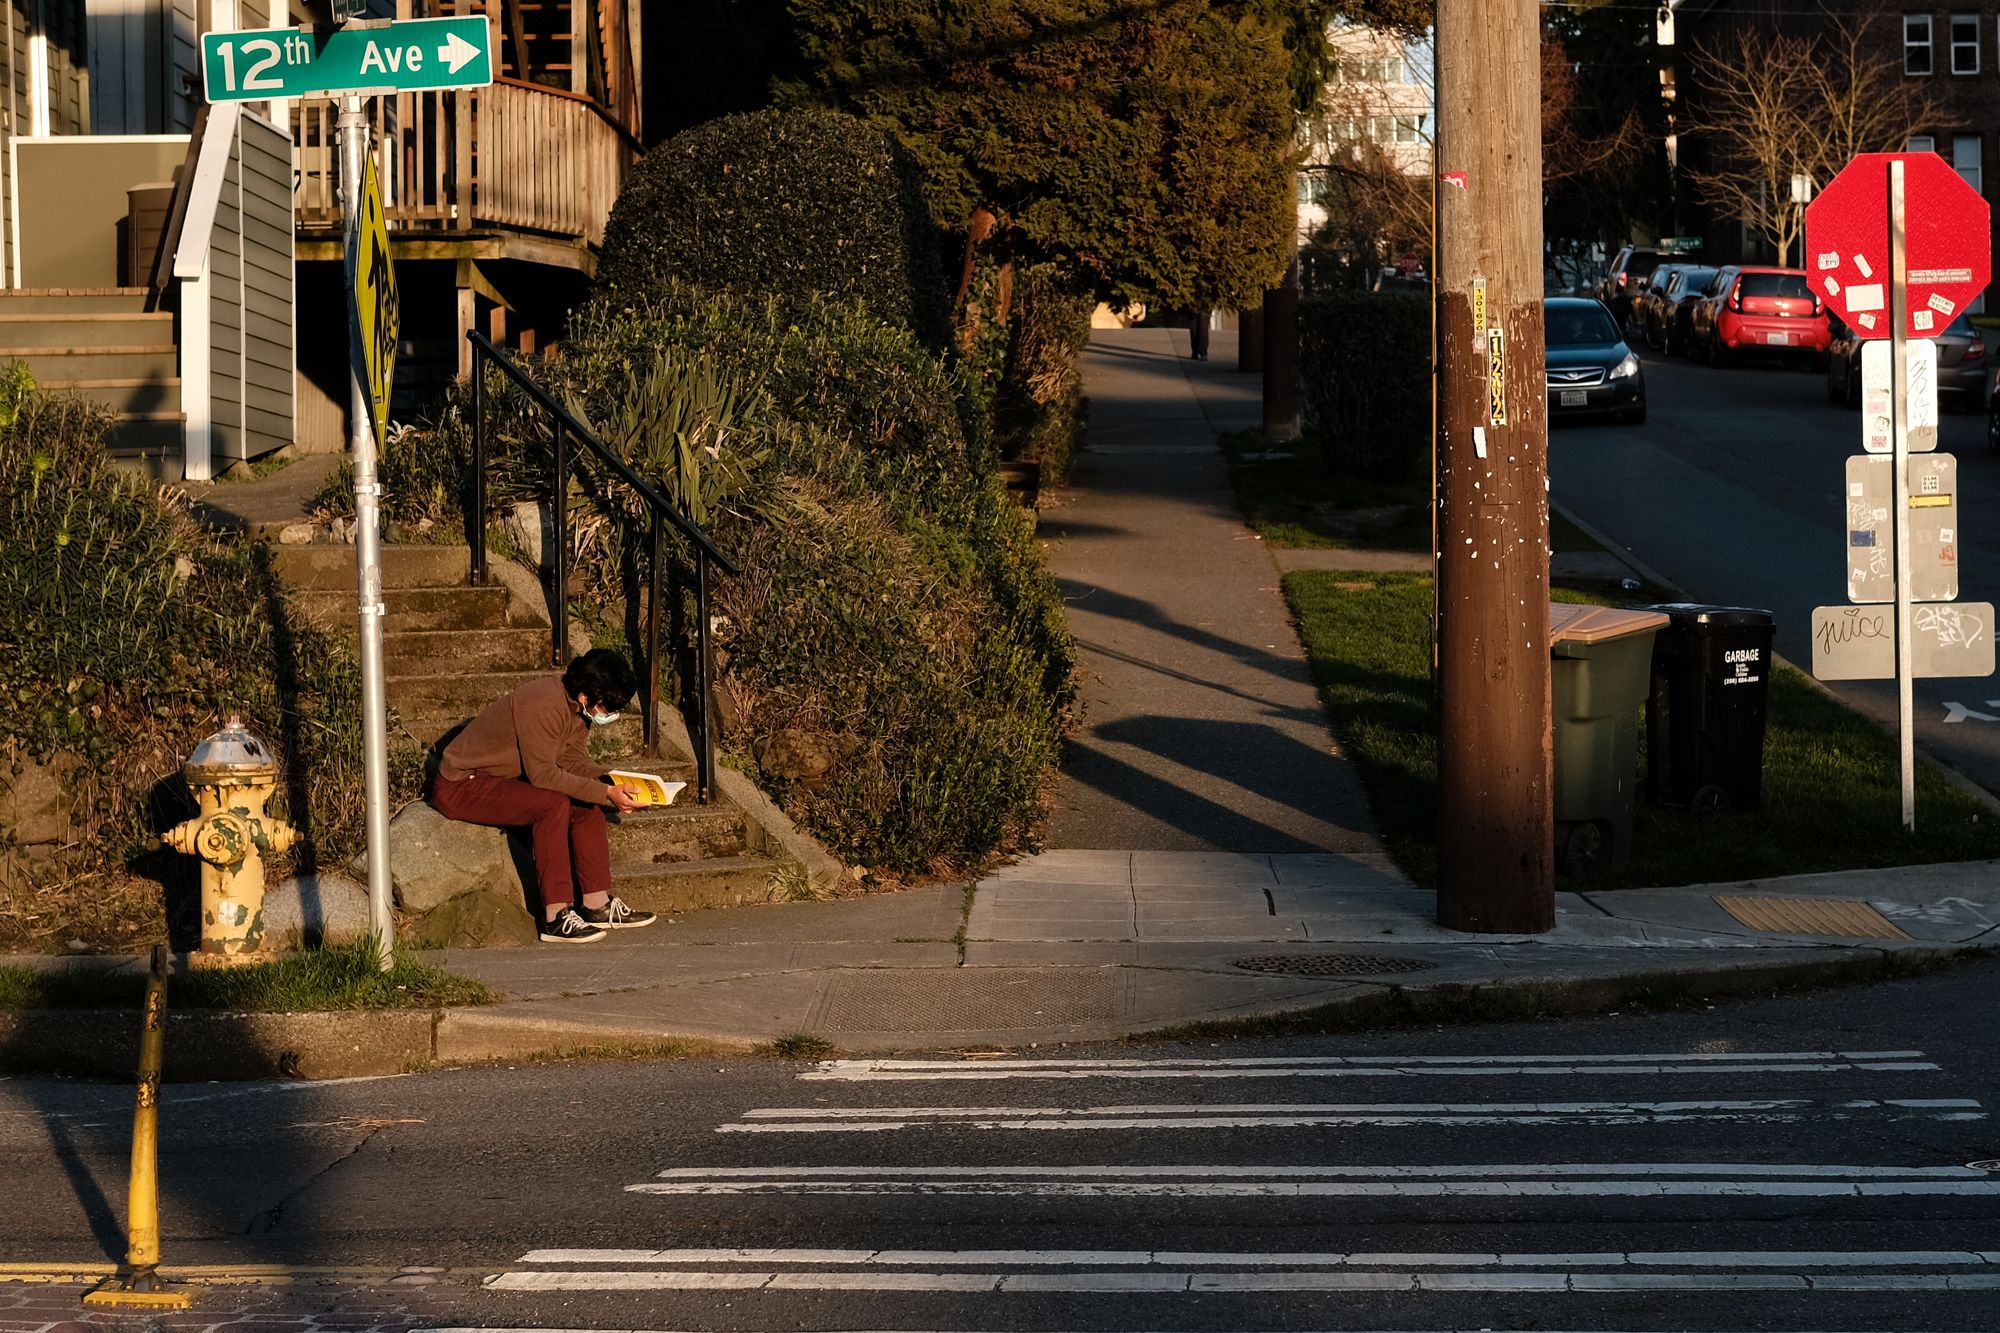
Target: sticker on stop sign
1947,250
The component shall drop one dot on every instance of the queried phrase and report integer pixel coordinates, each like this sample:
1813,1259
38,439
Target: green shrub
1039,413
780,204
894,610
127,633
1365,380
421,482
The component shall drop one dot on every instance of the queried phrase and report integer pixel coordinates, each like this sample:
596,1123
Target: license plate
1574,398
1778,339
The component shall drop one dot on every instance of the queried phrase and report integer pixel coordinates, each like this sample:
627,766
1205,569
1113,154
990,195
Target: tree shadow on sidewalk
1267,767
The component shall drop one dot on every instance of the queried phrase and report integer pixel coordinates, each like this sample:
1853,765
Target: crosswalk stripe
1346,1280
848,1120
1383,1066
1974,1259
1425,1170
1567,1189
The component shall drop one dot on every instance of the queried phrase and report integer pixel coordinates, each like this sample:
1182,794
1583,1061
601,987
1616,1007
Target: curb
244,1046
1517,999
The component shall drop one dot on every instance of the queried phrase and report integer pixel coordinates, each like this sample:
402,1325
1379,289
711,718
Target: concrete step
123,329
687,886
143,359
330,566
416,608
136,396
453,697
73,300
679,833
448,652
159,439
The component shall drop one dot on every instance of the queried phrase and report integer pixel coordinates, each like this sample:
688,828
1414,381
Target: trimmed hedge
1365,380
894,613
1039,411
780,204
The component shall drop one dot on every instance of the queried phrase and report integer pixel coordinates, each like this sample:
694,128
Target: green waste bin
1600,676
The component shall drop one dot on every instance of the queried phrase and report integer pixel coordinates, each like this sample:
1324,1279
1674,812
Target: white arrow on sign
456,52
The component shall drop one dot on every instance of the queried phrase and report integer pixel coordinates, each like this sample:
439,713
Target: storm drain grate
1331,964
1812,916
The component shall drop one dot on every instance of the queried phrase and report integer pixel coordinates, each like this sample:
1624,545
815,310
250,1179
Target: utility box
1599,678
1711,690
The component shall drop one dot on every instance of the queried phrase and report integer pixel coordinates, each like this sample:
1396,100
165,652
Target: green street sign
409,55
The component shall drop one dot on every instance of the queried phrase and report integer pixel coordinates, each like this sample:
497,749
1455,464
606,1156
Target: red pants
567,833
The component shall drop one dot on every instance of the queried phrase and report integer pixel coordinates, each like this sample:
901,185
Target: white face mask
597,719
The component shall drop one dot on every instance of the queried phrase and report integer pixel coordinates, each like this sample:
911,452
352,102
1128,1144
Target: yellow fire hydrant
232,775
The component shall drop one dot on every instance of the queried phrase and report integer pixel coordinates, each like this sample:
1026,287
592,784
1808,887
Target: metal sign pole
1899,434
368,559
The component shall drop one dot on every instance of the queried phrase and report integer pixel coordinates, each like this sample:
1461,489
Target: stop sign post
1898,245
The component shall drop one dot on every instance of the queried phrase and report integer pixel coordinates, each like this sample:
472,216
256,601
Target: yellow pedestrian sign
378,321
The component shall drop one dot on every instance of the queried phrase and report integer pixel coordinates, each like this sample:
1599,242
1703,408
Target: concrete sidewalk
1087,945
1202,729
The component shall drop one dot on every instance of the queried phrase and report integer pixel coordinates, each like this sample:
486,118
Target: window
1966,151
1965,43
1916,44
1922,143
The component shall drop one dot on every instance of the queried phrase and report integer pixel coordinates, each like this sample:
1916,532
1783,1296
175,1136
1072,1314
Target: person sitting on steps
524,762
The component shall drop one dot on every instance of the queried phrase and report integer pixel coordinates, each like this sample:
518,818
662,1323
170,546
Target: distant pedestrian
524,763
1198,335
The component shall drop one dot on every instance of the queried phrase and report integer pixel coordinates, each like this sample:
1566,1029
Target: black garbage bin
1705,715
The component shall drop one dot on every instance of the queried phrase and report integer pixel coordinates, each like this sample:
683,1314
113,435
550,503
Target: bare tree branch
1774,106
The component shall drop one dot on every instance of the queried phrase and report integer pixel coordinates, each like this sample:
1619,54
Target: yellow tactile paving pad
1812,916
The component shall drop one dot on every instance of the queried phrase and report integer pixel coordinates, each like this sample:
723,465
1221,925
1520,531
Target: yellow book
647,788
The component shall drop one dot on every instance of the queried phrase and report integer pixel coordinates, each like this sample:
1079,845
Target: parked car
1591,370
1662,315
1644,292
1962,370
1753,308
1620,282
1701,309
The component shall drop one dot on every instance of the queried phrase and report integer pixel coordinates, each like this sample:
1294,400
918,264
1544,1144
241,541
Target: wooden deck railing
512,155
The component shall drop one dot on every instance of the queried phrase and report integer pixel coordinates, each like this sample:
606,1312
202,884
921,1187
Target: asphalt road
1787,1164
1734,489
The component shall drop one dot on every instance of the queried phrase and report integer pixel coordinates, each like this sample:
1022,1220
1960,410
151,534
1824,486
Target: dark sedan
1961,365
1590,369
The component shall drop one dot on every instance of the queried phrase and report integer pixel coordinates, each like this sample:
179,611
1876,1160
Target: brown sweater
534,733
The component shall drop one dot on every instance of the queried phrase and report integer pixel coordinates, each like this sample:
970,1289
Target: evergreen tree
1146,145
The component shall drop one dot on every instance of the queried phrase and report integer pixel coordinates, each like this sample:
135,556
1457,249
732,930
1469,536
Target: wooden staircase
450,649
103,343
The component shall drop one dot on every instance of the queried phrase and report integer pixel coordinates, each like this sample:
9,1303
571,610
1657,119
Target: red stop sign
1947,249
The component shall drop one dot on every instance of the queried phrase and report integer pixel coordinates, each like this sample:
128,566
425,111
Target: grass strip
1292,500
344,976
1830,802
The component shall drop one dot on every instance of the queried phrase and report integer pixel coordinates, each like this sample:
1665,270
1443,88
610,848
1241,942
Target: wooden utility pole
1496,845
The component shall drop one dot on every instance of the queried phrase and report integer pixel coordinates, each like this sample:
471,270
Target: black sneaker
615,915
569,928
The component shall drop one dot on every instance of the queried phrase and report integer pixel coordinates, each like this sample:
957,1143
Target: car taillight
1736,299
1621,279
1975,349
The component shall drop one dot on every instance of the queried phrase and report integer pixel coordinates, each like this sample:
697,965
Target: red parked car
1765,310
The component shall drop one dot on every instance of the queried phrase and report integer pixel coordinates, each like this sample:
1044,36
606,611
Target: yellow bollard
139,1284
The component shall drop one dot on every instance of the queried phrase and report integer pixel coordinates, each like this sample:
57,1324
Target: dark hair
604,676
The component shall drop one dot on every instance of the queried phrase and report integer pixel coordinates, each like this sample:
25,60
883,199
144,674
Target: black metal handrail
660,510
